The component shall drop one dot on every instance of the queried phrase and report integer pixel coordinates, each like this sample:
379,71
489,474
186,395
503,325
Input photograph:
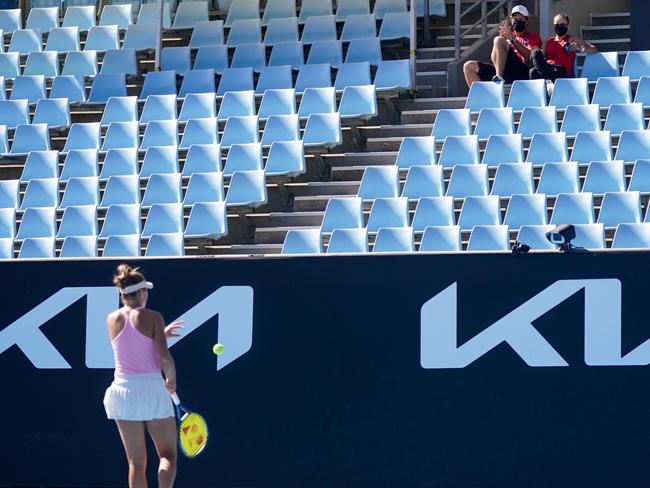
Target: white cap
127,290
520,9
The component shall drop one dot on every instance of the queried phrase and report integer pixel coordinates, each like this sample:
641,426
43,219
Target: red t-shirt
528,39
555,54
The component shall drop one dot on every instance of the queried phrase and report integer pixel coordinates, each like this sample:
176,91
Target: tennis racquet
192,430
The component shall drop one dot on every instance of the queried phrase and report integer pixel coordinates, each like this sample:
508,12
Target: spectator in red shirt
510,52
559,52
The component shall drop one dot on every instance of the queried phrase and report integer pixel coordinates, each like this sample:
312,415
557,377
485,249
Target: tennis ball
217,349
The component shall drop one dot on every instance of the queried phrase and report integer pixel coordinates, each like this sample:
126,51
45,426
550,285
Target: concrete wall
578,11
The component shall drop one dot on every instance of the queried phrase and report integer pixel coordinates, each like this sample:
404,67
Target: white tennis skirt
138,397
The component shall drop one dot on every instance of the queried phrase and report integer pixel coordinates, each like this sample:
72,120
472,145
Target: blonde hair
127,276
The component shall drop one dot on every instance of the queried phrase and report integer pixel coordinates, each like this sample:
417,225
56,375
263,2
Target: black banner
341,386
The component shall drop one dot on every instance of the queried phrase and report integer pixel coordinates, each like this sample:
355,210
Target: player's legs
164,435
132,434
500,55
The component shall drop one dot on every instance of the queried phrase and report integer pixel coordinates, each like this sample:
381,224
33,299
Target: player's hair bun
126,276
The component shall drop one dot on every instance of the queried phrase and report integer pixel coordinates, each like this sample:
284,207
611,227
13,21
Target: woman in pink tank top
138,398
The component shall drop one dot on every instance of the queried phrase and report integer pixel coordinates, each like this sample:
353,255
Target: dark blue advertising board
450,370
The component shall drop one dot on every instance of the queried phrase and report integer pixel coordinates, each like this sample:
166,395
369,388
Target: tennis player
138,398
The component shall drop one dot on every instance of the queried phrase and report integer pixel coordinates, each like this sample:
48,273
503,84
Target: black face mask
560,29
519,25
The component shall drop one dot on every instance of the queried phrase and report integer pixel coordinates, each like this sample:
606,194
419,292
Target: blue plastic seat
42,63
459,150
285,159
164,218
527,93
119,15
160,133
388,212
281,30
34,137
237,103
7,226
637,64
396,25
81,63
534,236
140,37
81,191
278,9
236,79
41,193
119,161
37,222
63,39
592,146
489,238
175,59
626,116
9,193
14,112
416,151
200,131
352,74
579,118
189,13
494,121
78,220
323,130
640,179
28,87
247,189
212,57
513,178
358,26
197,81
612,90
559,178
159,159
570,91
149,14
245,31
546,148
302,241
80,162
468,180
204,187
198,106
317,100
311,8
120,109
79,247
82,17
590,236
287,54
122,246
37,248
103,38
274,77
281,128
202,158
598,65
207,220
121,189
359,102
121,220
342,213
207,33
526,210
383,7
633,145
319,28
4,141
326,52
452,122
25,41
70,87
162,188
441,238
159,107
249,56
244,157
55,112
620,208
313,76
9,65
632,236
433,211
379,182
120,61
485,94
242,10
121,135
83,136
537,120
159,83
348,241
42,18
573,208
277,102
424,181
40,165
106,85
503,148
480,210
395,239
364,50
10,20
240,130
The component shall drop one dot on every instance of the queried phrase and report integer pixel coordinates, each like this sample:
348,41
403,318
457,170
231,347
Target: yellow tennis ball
217,349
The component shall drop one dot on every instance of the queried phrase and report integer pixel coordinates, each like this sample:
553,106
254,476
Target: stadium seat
559,178
162,188
41,193
612,90
200,131
160,133
546,148
10,20
479,210
163,218
637,64
207,220
175,59
212,57
598,65
346,8
441,238
485,94
416,151
28,87
313,76
494,121
527,93
590,236
526,210
120,61
42,63
424,181
489,238
159,107
122,245
383,7
285,159
396,25
37,248
63,39
573,208
632,236
79,247
120,109
302,241
388,212
452,122
640,179
352,74
281,128
626,116
240,130
242,10
244,157
513,178
249,56
359,102
102,38
81,191
396,239
468,180
119,161
80,220
79,162
235,79
364,50
55,112
9,193
106,85
198,106
534,236
8,226
121,135
81,63
149,15
34,137
159,159
433,211
281,30
37,222
287,53
121,189
323,130
537,120
204,187
348,241
592,146
274,78
633,145
140,37
80,16
202,158
119,15
342,213
620,208
25,41
579,118
317,100
9,65
41,164
247,189
570,91
83,136
120,220
247,31
70,87
277,102
313,8
189,13
14,112
319,28
379,182
459,150
207,33
42,18
358,26
642,94
159,83
503,148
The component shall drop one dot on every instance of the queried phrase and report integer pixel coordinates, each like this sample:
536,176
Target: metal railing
482,21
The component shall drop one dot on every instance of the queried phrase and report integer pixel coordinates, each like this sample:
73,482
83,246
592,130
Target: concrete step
448,41
432,103
449,30
433,78
437,52
433,64
605,32
393,131
274,236
622,44
610,18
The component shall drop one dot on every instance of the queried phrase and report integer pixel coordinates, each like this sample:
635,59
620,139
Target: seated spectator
510,52
559,53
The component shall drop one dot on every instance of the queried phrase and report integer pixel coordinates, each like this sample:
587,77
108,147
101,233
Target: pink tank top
133,351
